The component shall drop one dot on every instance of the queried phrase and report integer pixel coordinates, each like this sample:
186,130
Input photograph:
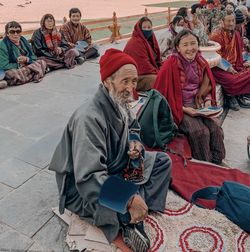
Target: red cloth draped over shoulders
147,58
239,50
231,46
168,83
231,50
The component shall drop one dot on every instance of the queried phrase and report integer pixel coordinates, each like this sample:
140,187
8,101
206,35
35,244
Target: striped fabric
205,138
33,72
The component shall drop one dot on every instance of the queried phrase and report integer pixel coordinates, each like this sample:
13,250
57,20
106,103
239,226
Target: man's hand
190,111
232,70
137,209
135,148
22,60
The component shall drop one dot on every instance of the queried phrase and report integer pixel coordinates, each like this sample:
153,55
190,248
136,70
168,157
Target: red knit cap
112,60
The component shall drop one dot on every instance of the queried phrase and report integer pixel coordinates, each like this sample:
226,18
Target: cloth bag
232,200
156,121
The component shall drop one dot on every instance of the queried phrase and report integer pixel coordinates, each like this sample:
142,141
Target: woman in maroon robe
186,81
144,49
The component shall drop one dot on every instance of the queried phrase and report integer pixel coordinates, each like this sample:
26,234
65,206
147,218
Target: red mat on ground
196,175
187,180
181,145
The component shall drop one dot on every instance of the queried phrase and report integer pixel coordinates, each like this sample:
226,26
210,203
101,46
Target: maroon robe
147,57
231,50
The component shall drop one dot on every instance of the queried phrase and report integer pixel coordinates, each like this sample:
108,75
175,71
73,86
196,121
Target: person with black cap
240,21
244,27
100,144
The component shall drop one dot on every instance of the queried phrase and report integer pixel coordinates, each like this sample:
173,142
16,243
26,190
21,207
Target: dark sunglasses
13,31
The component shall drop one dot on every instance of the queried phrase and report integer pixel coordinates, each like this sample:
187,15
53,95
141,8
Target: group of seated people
108,134
102,138
231,31
50,49
175,67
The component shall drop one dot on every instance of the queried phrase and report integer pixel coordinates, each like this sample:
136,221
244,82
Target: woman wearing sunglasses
17,59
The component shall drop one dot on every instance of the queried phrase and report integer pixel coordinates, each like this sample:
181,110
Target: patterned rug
183,227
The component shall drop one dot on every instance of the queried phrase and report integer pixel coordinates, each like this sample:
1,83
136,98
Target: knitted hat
239,17
112,60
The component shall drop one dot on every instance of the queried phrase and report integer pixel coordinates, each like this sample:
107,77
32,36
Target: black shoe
80,60
232,103
246,96
135,238
244,103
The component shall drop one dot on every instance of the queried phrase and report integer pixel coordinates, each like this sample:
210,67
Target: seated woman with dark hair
49,45
144,49
186,81
184,12
197,23
166,39
17,59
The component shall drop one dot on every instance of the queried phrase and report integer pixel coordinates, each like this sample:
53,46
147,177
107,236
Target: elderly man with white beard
99,145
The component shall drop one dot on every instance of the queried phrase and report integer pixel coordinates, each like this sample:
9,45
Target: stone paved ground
32,118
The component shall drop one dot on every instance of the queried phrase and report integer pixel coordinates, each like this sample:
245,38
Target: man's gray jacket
94,146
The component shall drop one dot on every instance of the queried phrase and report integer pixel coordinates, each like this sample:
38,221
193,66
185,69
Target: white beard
122,106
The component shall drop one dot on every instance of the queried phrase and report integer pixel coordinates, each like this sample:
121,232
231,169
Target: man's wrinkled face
229,22
122,85
244,12
75,18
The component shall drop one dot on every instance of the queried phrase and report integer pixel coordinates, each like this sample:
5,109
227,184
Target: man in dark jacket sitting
100,141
